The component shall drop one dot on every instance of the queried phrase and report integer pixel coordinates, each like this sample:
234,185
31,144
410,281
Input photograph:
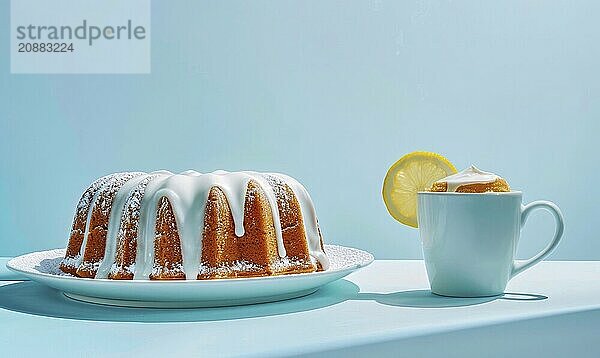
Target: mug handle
560,226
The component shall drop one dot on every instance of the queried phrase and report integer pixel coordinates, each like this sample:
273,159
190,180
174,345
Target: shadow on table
421,299
36,299
427,299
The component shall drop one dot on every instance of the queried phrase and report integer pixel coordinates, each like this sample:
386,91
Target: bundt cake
471,180
165,226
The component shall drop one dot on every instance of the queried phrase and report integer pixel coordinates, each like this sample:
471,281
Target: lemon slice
412,173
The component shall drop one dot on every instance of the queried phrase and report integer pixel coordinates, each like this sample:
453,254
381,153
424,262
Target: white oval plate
42,267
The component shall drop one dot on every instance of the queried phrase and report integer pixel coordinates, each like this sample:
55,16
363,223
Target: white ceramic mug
470,239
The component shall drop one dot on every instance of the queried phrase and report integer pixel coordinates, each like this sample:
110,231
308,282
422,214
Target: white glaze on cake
471,175
113,181
126,207
309,217
188,194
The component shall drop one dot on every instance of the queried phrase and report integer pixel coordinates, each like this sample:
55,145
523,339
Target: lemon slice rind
412,173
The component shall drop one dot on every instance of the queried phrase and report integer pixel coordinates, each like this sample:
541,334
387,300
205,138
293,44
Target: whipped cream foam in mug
471,175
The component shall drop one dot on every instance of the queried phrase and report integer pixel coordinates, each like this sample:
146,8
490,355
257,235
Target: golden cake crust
498,185
167,245
223,253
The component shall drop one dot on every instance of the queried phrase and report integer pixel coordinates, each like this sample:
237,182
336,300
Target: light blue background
331,92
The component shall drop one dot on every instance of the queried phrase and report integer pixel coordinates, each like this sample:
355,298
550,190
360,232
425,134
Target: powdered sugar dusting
72,261
51,266
169,269
45,262
114,269
133,205
108,192
102,207
86,199
342,258
229,269
278,186
287,262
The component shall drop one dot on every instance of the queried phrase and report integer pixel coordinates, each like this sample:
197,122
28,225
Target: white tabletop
386,308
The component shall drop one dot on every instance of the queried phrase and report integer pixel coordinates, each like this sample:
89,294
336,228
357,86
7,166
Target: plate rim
11,266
